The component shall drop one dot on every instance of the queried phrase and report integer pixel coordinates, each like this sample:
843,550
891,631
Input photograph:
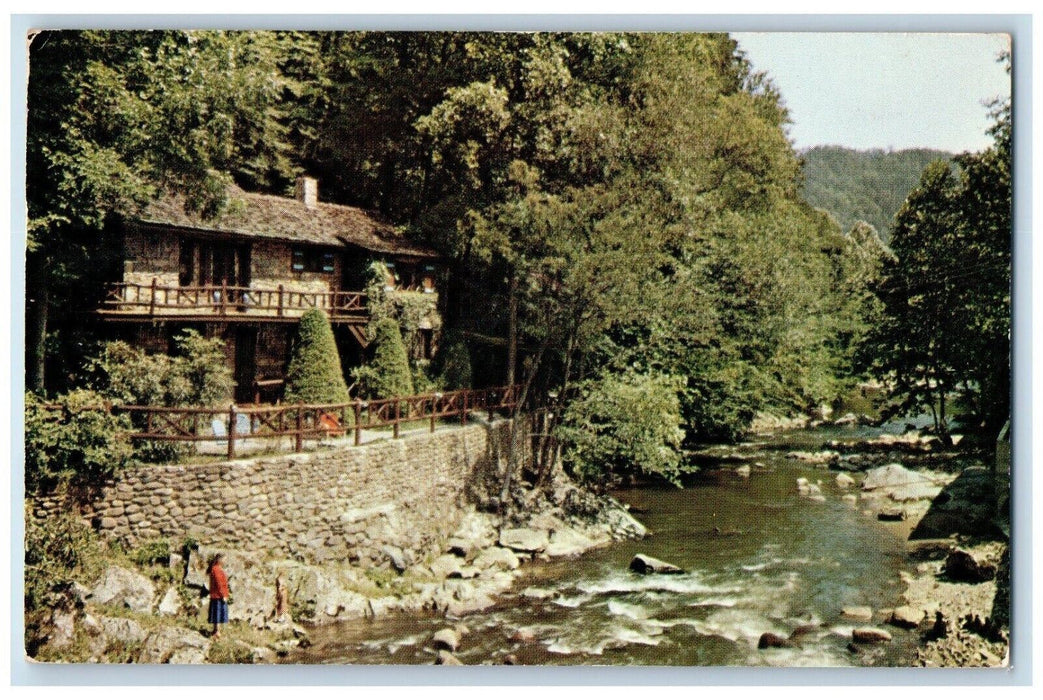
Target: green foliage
314,374
453,362
388,372
56,548
945,320
867,186
197,376
78,442
151,552
624,425
229,651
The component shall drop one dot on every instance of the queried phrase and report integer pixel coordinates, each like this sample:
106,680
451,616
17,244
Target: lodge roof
256,215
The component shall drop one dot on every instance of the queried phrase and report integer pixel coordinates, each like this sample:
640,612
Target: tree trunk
37,303
512,330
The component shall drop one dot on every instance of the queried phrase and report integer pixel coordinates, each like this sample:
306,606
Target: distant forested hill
867,185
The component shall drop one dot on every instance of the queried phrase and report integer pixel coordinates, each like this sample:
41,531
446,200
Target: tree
945,325
314,375
114,116
388,375
624,426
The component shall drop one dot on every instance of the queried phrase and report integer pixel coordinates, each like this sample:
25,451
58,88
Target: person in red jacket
218,614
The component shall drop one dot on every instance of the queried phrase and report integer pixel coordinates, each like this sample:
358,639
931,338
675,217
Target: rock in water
773,641
870,635
905,617
857,612
644,564
743,471
961,565
447,659
844,480
446,638
891,515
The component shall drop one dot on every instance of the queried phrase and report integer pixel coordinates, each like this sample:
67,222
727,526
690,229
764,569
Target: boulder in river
446,638
644,564
857,612
891,515
769,640
870,635
905,617
844,480
446,659
743,471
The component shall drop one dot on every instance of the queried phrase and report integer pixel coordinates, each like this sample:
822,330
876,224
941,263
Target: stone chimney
308,191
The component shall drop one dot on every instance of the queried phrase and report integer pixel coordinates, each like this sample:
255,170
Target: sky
889,91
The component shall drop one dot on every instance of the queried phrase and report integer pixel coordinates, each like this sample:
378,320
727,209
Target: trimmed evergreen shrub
389,374
314,374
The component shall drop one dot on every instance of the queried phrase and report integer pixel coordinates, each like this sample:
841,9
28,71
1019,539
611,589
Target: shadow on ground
967,507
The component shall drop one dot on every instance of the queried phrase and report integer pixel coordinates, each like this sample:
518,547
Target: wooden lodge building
249,274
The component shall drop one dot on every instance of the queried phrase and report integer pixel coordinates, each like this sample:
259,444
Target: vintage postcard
634,348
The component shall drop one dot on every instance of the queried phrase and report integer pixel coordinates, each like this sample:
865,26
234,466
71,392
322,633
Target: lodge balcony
128,301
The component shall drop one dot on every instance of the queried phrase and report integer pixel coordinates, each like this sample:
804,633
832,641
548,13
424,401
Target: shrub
198,376
389,374
314,374
55,550
453,363
80,441
622,425
151,552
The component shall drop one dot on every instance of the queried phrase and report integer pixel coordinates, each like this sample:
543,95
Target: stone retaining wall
346,504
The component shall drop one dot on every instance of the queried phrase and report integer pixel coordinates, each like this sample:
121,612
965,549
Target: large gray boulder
900,484
523,539
123,587
174,645
644,564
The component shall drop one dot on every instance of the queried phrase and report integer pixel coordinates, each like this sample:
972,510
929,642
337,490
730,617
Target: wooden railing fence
227,299
308,421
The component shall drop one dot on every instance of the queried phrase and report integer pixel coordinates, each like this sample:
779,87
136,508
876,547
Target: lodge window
311,260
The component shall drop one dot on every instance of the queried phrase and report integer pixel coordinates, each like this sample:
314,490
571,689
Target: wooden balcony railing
234,424
128,298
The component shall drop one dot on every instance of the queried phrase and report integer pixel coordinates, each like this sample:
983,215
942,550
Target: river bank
151,608
947,506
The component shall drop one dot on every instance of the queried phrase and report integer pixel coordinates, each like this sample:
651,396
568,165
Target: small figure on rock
282,600
218,614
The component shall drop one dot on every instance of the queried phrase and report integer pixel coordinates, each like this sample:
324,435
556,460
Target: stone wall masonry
322,507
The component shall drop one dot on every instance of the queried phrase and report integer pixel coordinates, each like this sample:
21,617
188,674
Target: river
780,561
